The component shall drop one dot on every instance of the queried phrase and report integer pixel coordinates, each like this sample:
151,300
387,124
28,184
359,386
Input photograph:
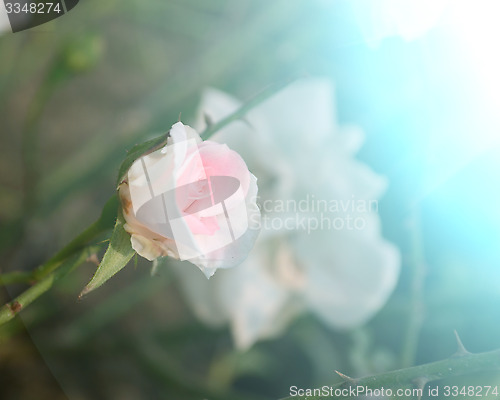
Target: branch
245,108
105,223
461,363
10,310
418,272
73,254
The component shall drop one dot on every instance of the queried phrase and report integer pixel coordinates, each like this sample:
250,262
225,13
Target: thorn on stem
345,377
247,122
208,120
420,383
15,307
461,350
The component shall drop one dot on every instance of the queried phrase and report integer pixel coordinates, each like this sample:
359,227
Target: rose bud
191,200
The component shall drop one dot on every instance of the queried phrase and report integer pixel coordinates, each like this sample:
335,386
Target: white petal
303,112
145,247
257,310
236,252
253,138
350,276
201,294
262,307
180,132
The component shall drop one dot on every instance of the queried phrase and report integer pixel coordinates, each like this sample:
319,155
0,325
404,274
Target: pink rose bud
191,200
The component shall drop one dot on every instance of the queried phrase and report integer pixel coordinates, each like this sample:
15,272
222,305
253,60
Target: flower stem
417,377
47,273
10,278
10,310
418,271
56,74
245,108
53,263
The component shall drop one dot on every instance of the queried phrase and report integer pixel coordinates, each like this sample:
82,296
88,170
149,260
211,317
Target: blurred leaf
83,53
116,257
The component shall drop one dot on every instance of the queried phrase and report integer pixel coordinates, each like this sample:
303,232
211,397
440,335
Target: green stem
10,310
59,265
30,144
416,314
56,74
10,278
103,224
76,244
270,91
416,377
53,263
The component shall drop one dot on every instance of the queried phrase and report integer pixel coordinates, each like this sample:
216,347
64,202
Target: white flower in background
344,276
191,200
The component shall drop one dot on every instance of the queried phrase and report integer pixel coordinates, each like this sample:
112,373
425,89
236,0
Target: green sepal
139,150
117,256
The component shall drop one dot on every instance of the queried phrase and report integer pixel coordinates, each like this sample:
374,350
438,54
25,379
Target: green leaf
117,255
139,150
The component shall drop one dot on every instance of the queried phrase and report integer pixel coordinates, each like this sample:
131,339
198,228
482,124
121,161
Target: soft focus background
421,80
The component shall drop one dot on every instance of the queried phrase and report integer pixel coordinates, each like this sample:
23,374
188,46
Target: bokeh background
76,93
